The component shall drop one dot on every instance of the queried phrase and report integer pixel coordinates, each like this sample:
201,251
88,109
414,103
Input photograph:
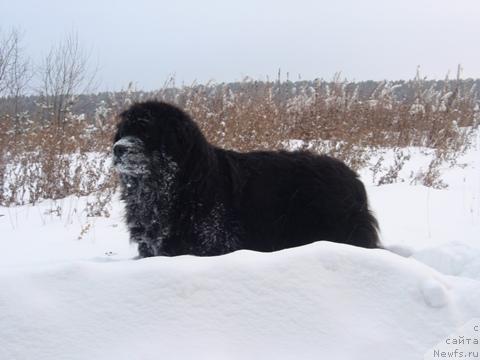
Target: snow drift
323,300
69,288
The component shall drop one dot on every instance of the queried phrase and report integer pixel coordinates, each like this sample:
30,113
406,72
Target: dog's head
147,133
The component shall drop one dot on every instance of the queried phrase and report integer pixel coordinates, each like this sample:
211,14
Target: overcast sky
144,40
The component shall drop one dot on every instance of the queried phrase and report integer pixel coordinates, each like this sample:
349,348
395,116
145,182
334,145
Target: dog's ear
180,140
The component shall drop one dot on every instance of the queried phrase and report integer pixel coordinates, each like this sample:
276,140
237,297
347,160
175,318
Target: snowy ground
70,289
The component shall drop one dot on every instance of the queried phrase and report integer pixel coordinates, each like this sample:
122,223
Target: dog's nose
119,150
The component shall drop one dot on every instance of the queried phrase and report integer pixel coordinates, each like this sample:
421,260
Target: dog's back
287,199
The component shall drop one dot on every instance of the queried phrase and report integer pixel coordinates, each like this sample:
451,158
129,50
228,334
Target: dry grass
41,160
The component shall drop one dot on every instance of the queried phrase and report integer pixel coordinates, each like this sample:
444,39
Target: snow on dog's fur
186,196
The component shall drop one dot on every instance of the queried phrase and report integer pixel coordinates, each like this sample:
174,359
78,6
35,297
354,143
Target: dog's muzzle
119,150
127,145
129,155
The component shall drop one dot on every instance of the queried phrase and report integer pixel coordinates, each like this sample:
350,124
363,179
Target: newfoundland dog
186,196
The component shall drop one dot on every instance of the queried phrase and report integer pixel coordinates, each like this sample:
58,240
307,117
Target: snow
328,299
70,288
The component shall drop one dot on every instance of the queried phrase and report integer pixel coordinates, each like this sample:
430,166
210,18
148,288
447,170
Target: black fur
186,196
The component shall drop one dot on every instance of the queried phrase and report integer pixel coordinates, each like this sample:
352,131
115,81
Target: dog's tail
365,229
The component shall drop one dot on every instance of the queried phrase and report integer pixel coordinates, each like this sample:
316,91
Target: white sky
144,40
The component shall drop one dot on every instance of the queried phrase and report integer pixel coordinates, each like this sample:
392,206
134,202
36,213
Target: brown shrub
42,160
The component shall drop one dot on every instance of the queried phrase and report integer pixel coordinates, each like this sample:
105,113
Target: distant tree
14,65
20,76
64,73
7,44
15,75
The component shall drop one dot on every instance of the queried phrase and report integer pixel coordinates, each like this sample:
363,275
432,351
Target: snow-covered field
69,288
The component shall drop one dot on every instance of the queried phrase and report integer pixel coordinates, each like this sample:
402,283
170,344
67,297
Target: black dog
186,196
